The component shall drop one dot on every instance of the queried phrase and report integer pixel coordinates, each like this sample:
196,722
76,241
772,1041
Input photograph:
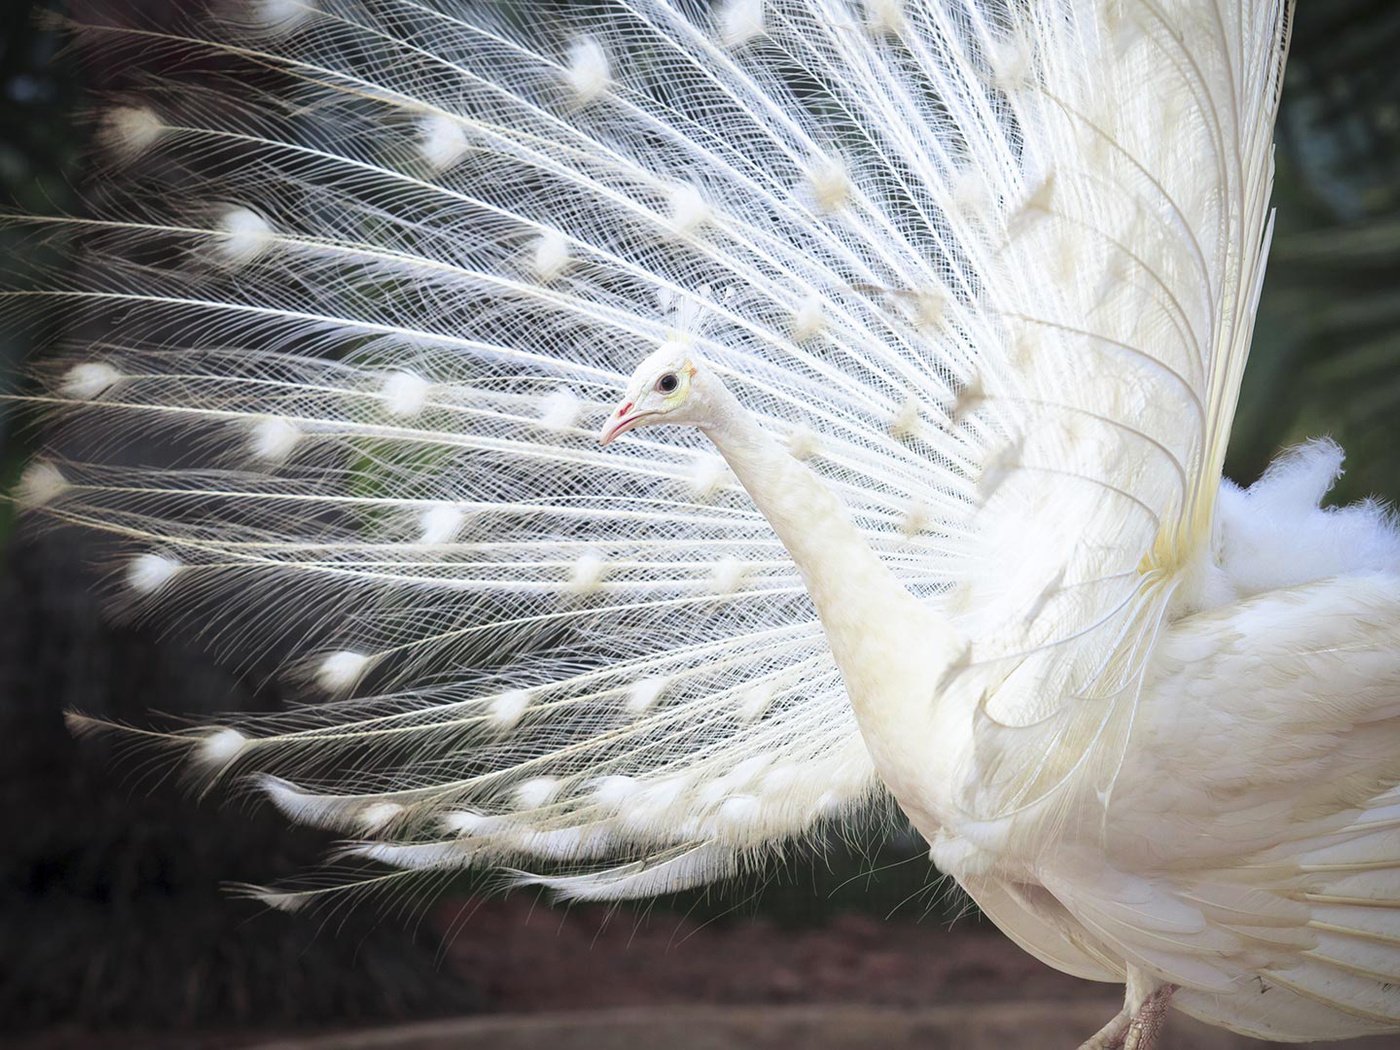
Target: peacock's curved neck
890,648
843,575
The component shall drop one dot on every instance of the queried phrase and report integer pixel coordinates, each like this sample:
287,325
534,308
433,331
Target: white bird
959,291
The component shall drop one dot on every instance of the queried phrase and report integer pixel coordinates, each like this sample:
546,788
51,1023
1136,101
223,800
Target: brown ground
527,958
591,978
533,959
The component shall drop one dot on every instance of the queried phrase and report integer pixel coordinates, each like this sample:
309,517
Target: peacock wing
1118,309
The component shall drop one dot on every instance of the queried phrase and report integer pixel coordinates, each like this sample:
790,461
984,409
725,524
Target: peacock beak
621,421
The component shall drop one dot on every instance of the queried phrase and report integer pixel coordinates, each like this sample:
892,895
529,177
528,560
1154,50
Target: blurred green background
112,909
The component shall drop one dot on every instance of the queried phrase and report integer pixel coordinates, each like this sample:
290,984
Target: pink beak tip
611,428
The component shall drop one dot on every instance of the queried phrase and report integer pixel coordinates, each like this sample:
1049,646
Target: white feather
129,131
442,141
537,792
273,440
803,443
246,235
405,394
646,694
808,319
668,876
689,209
587,572
440,524
341,670
707,474
469,823
148,573
828,183
40,483
740,21
561,410
89,380
551,255
727,576
219,747
415,856
283,15
588,74
613,791
509,708
885,16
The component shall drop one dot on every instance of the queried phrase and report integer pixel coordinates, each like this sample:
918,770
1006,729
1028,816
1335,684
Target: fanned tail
362,314
366,274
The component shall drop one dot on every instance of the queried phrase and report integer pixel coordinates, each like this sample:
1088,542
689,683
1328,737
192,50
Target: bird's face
663,389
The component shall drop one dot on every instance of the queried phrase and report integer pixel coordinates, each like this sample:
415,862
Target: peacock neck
889,647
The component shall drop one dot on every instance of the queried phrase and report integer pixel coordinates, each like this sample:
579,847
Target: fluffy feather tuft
340,671
218,748
89,380
128,131
148,573
283,15
1276,534
588,73
740,21
441,141
405,394
509,708
273,440
246,236
41,483
551,255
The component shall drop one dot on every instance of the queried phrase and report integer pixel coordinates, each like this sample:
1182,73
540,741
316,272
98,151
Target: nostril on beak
615,424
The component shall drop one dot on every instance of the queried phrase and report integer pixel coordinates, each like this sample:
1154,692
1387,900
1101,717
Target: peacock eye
668,383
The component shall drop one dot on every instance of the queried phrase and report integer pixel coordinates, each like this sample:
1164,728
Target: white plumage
961,292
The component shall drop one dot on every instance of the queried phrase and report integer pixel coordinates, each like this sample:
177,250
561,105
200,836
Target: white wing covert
1120,298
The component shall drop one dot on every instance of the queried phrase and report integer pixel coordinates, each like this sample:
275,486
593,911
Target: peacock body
958,295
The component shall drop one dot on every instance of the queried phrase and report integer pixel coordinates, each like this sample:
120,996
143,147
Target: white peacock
960,291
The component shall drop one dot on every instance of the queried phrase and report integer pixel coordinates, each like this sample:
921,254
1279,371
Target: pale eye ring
667,383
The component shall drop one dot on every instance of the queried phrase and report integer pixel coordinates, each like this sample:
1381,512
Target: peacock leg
1138,1024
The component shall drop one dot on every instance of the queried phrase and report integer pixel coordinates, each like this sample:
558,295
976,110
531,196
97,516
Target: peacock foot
1147,1023
1110,1036
1135,1031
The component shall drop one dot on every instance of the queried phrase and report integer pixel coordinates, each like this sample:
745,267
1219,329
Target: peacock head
672,385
